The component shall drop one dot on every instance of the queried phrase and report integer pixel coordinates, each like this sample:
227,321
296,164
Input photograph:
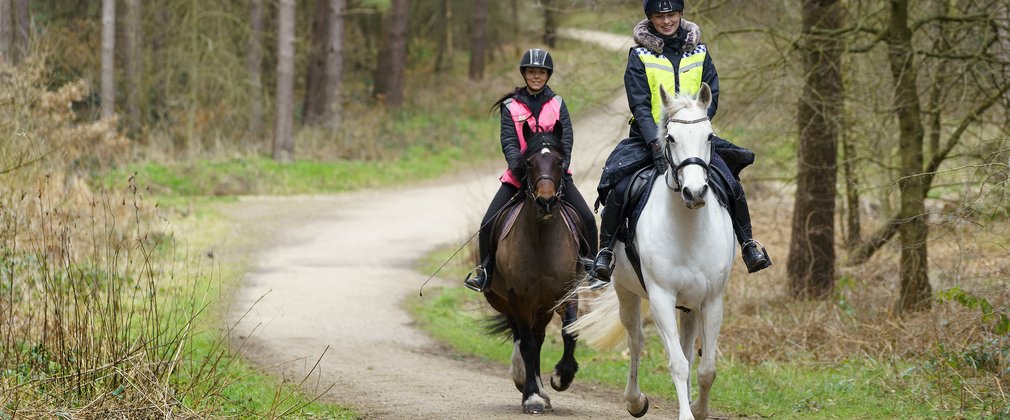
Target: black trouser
613,209
569,193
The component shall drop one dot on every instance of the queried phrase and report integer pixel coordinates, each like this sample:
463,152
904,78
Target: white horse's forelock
678,102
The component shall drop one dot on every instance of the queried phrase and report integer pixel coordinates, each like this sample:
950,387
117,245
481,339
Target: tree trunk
134,59
915,289
322,82
312,109
393,58
6,30
852,217
254,65
443,59
811,263
108,89
333,70
478,40
284,143
550,23
22,24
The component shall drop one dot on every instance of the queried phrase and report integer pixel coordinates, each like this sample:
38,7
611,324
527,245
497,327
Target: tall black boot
754,254
609,223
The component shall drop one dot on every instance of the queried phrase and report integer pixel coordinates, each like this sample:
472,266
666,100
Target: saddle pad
568,214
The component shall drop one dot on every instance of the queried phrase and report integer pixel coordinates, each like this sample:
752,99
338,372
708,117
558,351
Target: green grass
207,178
804,389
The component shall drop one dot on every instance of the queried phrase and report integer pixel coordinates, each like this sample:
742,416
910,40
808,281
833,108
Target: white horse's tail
601,327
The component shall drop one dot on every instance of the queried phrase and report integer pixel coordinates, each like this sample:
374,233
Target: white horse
686,250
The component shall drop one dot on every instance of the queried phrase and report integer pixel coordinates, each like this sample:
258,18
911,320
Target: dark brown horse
537,265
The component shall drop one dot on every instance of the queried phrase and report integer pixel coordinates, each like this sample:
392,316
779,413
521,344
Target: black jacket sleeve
567,136
710,76
510,141
636,85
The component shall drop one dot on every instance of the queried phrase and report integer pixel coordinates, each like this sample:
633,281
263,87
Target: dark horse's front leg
529,347
564,371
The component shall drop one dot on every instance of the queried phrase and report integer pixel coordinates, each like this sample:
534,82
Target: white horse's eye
545,151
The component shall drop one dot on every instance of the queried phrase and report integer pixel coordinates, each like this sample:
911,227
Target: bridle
693,160
531,184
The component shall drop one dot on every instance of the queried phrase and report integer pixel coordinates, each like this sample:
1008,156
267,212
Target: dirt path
338,269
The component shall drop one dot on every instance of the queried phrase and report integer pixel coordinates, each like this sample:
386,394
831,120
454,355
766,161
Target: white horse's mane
680,102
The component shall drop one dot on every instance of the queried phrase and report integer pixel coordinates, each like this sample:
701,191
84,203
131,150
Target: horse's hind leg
564,371
711,319
518,368
665,315
631,317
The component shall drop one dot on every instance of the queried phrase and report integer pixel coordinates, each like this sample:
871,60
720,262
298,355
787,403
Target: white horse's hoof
534,405
645,408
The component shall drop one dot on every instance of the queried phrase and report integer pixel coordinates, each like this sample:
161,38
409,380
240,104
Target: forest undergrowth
103,310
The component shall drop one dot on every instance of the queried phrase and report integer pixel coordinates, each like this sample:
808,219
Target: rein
693,160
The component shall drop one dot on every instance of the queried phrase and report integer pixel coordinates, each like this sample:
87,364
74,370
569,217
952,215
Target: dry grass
99,310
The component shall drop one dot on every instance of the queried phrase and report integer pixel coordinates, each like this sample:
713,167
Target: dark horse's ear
527,131
558,131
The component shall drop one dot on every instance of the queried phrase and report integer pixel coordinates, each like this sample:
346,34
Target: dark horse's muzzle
545,202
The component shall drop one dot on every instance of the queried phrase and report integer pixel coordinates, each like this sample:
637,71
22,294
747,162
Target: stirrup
760,264
474,277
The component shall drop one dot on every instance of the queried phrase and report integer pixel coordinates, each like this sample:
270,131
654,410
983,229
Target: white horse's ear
665,98
705,95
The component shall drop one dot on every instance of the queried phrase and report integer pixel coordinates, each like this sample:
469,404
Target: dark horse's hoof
644,410
561,379
534,405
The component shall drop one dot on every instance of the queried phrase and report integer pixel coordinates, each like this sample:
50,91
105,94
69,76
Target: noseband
693,160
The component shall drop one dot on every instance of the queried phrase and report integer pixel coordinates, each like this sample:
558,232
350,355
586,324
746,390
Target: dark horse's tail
498,326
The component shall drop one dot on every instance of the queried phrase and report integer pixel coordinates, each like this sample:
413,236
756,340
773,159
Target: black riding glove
518,171
658,159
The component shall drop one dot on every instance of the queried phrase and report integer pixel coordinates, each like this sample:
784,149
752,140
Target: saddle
510,213
637,195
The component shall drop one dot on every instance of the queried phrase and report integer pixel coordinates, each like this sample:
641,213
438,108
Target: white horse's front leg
631,317
688,337
664,314
711,323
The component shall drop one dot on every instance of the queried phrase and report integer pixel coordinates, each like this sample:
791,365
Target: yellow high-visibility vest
660,72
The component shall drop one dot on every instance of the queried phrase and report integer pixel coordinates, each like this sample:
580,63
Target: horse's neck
531,222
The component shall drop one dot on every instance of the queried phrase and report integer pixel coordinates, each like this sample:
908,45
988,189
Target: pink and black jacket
542,111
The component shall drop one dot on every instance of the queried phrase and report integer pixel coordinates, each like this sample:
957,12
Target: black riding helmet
662,6
537,58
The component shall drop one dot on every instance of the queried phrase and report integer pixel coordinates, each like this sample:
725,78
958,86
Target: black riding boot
754,254
479,279
609,223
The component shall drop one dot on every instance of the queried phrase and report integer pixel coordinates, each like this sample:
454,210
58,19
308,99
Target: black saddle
637,195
